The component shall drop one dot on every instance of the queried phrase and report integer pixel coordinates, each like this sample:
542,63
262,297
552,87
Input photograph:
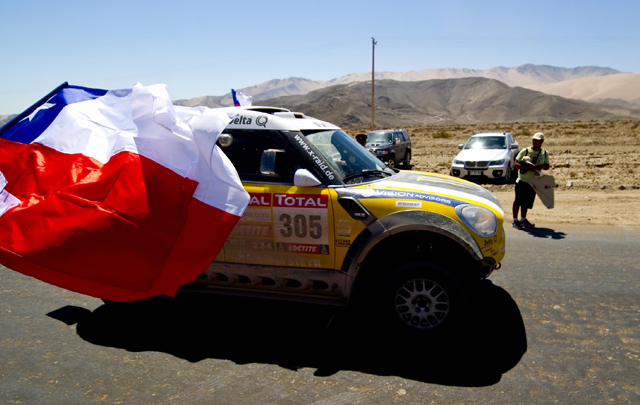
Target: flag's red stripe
118,231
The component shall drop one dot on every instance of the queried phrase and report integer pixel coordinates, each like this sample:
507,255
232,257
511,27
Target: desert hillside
462,101
623,86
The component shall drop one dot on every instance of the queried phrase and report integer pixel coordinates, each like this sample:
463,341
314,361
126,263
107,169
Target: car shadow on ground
296,336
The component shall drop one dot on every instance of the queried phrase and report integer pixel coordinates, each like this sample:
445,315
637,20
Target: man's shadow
545,233
293,336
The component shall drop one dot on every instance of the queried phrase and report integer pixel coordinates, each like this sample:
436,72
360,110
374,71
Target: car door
399,146
283,225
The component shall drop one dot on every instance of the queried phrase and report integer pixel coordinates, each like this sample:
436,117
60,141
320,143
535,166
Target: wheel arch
416,235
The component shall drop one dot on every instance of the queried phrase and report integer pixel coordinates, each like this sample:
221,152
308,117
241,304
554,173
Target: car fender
405,221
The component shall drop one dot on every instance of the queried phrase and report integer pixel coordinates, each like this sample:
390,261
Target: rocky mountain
523,75
462,101
270,89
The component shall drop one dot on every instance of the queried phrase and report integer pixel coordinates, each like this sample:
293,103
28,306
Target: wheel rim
422,304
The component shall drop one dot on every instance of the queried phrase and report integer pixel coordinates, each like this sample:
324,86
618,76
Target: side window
245,152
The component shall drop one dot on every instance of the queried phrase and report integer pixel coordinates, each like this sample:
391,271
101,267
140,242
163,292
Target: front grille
482,163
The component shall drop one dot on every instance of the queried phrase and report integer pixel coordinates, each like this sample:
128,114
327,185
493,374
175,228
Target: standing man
529,162
362,139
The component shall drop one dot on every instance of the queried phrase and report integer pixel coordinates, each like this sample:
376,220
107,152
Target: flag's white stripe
144,121
7,201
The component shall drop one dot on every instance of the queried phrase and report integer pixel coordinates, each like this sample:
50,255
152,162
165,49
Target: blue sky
207,47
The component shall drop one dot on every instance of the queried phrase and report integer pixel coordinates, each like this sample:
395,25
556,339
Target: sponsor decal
253,244
300,200
262,120
256,215
253,230
407,195
490,241
303,248
343,243
241,120
259,200
318,162
411,204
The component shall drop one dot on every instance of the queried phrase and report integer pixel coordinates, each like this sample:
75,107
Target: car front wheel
418,298
507,175
392,162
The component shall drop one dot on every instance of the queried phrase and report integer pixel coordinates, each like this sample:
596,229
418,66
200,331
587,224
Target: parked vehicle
392,146
329,223
486,156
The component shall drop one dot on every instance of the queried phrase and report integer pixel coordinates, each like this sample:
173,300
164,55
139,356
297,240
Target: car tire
407,160
508,175
415,299
391,162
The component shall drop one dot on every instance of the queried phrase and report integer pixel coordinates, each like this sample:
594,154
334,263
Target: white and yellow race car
330,223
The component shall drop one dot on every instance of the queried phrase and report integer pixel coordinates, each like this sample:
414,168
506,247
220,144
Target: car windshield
379,137
347,157
486,142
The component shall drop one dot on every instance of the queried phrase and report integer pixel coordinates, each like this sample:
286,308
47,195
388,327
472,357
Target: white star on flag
44,106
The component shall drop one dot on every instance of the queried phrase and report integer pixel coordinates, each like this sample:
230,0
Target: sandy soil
596,166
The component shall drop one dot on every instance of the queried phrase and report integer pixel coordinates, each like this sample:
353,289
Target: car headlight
481,220
382,152
497,162
458,162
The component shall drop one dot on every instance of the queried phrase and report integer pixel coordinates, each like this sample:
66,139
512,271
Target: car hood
482,154
430,187
378,145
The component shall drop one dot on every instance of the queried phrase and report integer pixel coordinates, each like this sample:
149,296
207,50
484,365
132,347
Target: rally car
328,222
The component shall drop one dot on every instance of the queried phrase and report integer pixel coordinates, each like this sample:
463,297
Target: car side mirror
304,178
460,146
514,146
268,161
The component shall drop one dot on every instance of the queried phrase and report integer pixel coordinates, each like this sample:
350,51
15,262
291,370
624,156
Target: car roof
273,118
387,130
479,134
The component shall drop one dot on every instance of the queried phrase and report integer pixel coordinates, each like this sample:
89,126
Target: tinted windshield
379,137
487,142
347,157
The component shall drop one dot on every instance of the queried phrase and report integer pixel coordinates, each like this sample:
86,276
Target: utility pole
373,70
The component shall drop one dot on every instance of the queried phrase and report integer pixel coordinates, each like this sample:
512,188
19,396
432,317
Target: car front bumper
491,172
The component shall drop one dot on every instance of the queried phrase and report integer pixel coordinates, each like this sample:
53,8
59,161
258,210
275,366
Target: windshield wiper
366,172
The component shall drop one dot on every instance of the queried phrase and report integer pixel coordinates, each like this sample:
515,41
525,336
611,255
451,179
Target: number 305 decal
301,226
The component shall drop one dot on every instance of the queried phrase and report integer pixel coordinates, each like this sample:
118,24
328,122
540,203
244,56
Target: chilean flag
115,194
240,99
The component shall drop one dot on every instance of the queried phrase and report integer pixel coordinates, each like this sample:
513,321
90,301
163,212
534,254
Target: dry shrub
442,134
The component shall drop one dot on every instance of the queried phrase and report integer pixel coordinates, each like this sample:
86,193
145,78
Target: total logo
300,200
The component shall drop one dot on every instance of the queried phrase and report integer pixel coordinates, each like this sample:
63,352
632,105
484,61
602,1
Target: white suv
486,156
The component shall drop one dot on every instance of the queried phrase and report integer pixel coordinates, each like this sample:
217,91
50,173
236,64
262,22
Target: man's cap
539,136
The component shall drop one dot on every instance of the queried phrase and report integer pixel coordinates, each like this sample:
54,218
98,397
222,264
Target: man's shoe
526,224
516,224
